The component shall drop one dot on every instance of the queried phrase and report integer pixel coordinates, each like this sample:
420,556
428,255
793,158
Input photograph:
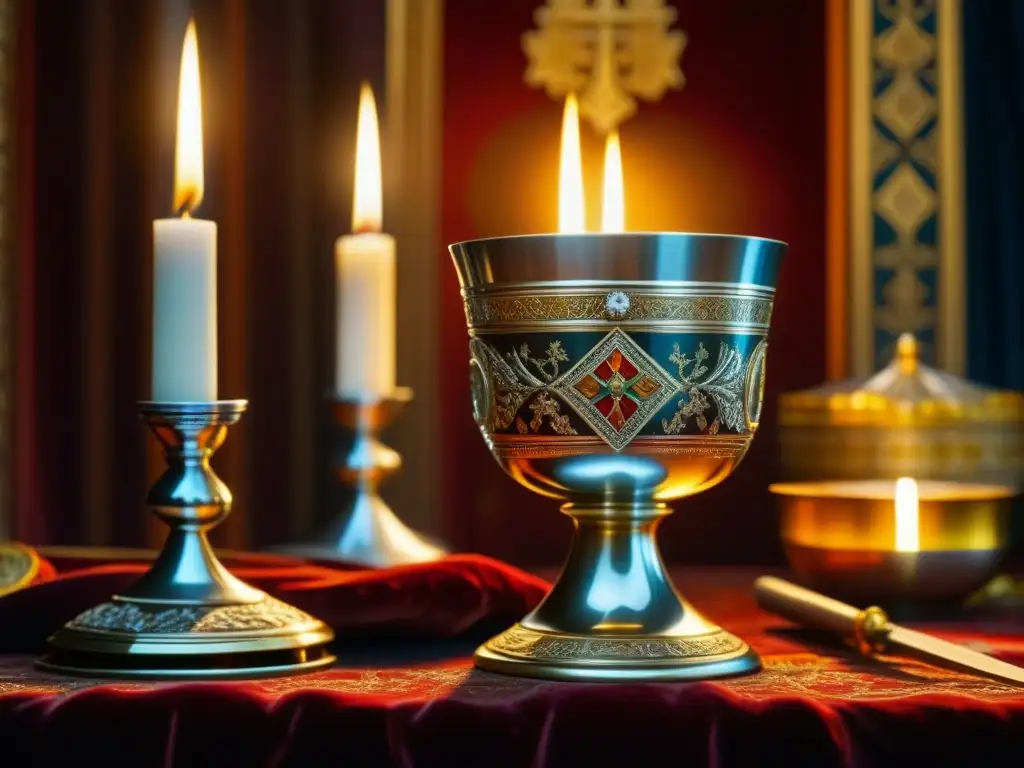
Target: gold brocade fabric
801,675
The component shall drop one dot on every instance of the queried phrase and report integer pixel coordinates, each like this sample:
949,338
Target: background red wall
740,149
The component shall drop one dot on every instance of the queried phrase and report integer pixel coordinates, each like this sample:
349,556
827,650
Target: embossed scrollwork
616,388
268,614
539,646
753,386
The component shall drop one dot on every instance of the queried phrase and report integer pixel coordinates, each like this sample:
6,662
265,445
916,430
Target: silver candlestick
187,616
367,532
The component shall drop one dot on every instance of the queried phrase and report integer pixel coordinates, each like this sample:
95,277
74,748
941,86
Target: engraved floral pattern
545,405
724,385
552,357
512,385
617,388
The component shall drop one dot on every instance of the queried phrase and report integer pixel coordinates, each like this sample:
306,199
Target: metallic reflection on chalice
617,373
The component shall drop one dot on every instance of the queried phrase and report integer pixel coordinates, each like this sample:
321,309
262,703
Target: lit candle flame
907,533
613,216
188,148
367,199
571,209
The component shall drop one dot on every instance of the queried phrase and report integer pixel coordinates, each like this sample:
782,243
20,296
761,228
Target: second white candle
365,274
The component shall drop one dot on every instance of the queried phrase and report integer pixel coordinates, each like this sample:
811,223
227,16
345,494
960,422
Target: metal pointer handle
869,628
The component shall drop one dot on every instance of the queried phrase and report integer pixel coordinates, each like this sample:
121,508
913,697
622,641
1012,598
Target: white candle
185,261
365,274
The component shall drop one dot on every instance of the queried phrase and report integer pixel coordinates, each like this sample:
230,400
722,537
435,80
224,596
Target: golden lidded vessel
844,448
617,373
908,420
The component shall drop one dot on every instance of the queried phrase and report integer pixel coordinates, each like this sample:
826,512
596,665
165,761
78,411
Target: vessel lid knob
906,353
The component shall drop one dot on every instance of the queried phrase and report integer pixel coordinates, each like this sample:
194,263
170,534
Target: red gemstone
616,419
605,405
615,359
627,369
628,407
603,371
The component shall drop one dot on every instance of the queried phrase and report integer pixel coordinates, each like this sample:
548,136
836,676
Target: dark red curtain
95,98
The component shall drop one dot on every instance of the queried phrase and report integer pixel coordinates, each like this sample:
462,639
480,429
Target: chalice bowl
617,373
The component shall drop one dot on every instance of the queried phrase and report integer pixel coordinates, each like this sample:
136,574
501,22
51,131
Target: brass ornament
754,385
908,419
607,51
19,566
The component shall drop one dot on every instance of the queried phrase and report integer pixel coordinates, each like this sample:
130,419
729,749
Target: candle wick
186,205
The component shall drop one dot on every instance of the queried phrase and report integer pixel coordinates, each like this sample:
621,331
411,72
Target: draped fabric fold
815,703
417,602
93,142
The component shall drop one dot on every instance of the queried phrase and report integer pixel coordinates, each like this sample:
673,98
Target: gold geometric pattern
610,412
905,44
905,106
906,201
904,160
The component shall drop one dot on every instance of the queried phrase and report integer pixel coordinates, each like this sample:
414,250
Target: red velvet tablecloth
404,692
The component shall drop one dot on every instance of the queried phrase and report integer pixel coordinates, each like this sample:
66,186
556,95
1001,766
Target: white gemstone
616,304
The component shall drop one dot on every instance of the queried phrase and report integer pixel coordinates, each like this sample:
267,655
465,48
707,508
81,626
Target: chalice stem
614,580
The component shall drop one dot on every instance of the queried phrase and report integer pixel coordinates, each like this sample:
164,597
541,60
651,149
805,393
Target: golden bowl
843,538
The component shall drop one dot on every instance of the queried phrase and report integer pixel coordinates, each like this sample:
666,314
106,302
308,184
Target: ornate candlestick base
367,532
188,617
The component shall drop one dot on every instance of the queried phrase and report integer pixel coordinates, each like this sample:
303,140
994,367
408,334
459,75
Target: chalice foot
614,615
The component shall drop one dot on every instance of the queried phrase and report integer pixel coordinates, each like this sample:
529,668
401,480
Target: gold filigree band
511,309
521,642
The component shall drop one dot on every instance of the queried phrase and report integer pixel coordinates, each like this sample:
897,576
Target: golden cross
608,52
